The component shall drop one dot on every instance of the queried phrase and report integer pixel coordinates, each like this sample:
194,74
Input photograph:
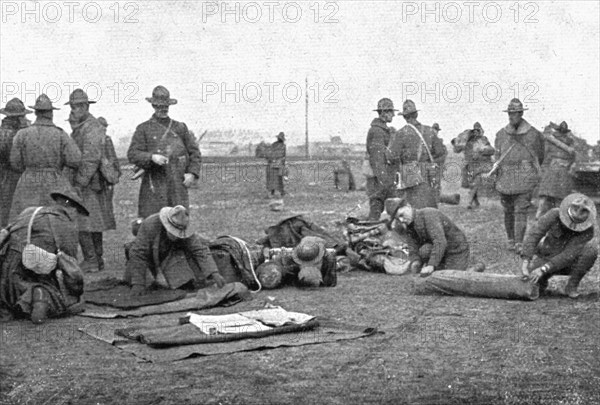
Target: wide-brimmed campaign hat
436,126
43,103
72,199
408,107
103,121
385,104
176,221
78,96
563,127
392,205
515,105
15,108
161,96
577,212
281,136
309,255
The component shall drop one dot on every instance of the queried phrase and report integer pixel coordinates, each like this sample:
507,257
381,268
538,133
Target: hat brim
566,219
517,110
312,262
407,113
43,109
80,102
164,219
80,207
155,101
386,109
15,114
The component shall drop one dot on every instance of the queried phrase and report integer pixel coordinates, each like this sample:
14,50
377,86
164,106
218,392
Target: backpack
109,164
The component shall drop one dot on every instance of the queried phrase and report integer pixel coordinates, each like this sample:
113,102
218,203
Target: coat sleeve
540,146
137,152
570,252
377,154
91,154
537,232
435,230
70,151
498,145
195,159
140,254
438,150
201,254
16,156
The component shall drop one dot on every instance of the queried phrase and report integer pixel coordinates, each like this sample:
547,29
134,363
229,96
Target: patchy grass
435,350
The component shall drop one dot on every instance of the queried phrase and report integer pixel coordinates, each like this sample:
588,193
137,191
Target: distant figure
40,153
519,154
15,120
478,160
168,154
381,179
437,171
276,169
562,243
557,181
31,291
596,151
417,152
343,177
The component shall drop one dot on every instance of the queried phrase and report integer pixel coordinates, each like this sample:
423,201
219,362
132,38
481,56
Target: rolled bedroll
487,285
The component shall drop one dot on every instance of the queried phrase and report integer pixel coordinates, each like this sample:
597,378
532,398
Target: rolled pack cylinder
487,285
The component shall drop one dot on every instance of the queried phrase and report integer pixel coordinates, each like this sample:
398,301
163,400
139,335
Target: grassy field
435,349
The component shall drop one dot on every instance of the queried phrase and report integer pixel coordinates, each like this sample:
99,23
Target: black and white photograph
299,202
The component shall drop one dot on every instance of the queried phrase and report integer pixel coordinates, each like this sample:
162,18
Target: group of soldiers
406,167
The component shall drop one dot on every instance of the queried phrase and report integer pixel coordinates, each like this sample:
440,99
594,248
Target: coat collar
43,121
86,119
378,122
11,123
523,128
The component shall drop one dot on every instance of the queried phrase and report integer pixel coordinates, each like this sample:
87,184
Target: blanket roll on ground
507,286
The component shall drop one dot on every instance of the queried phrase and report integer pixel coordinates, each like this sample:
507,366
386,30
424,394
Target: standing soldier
169,156
556,182
478,160
380,182
437,171
15,113
417,152
40,153
519,153
89,135
111,155
276,165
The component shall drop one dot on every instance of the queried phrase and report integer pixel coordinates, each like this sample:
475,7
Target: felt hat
408,107
103,121
392,205
577,212
161,96
269,274
436,126
176,221
385,104
563,128
43,103
78,96
15,108
281,136
72,199
309,255
515,105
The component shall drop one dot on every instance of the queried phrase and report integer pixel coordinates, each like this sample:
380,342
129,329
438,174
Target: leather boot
39,305
98,249
450,199
89,263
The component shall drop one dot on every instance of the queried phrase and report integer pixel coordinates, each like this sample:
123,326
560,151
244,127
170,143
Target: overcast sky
462,68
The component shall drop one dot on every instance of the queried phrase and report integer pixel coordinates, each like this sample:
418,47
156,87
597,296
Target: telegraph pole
306,118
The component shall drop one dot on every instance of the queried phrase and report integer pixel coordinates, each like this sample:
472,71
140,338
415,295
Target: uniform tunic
162,186
8,177
276,166
556,182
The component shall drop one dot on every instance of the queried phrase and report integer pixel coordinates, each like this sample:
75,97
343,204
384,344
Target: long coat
41,153
17,282
89,136
378,140
8,177
556,180
519,172
477,162
276,166
152,250
162,186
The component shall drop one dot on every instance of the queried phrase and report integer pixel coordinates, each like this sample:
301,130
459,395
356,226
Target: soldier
108,208
164,243
478,160
40,153
417,152
276,166
380,182
89,135
556,182
562,243
433,238
437,171
169,156
519,154
15,113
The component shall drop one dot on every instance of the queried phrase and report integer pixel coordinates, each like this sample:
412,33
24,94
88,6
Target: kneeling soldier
164,243
562,243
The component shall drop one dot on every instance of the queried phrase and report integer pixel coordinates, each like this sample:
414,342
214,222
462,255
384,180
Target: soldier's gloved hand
137,290
536,275
188,180
160,160
218,279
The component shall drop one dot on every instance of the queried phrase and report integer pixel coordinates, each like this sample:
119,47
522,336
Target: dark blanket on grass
209,297
116,293
327,331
